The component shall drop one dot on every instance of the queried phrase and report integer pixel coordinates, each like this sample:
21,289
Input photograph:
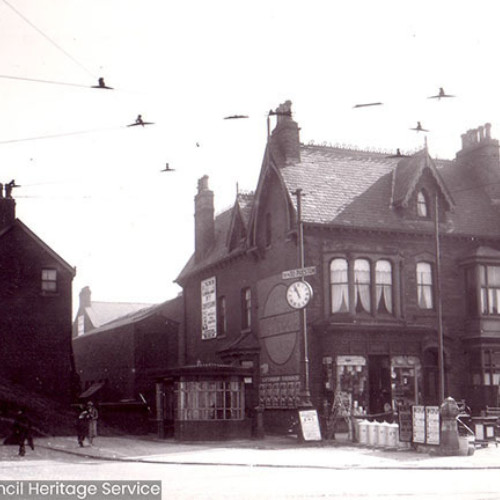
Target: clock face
298,294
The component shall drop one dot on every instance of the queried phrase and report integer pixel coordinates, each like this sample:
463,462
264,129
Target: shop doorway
379,382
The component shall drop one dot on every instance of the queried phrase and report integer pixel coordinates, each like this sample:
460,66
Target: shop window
352,378
490,289
383,288
362,297
221,317
339,285
209,400
406,381
49,280
425,286
422,205
246,308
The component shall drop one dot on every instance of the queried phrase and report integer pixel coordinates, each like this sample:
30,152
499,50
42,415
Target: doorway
379,382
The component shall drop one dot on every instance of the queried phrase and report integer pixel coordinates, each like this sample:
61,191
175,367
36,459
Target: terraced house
373,225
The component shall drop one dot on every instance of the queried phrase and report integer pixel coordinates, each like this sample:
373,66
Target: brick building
35,306
116,361
369,226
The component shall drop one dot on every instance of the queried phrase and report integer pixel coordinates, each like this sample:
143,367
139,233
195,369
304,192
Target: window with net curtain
424,285
490,289
422,205
362,295
339,283
383,289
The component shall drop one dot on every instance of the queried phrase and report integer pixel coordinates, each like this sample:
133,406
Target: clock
298,294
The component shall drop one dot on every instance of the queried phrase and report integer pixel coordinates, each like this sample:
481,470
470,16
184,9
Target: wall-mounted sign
281,391
298,273
208,309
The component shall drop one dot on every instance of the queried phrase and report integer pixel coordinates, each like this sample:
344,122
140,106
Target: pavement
270,451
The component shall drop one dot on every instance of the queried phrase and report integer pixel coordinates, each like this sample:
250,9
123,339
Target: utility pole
305,396
438,302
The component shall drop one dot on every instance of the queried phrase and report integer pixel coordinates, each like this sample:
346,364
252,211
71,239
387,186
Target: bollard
370,433
449,443
392,436
363,432
382,434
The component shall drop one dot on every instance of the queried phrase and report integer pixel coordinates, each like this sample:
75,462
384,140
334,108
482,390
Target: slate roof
101,313
355,188
362,189
222,226
170,309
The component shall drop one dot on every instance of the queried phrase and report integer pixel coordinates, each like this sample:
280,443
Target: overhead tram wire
53,82
67,54
55,136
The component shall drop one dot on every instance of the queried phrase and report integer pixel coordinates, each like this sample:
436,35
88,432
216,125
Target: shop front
376,384
204,402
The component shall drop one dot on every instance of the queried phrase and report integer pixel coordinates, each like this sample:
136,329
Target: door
379,382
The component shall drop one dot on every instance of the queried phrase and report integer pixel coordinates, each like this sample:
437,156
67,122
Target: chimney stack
481,155
85,298
284,142
204,225
7,205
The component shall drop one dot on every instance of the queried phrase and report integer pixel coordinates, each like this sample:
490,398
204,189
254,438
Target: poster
208,309
432,428
309,424
418,424
405,423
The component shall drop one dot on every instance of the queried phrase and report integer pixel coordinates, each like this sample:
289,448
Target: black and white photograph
249,250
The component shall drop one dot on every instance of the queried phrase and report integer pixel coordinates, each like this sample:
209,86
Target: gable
408,174
34,245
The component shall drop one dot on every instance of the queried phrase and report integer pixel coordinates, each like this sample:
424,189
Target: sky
92,188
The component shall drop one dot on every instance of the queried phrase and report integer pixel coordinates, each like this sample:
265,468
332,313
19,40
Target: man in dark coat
22,432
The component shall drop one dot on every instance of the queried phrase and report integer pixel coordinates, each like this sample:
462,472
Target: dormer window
422,205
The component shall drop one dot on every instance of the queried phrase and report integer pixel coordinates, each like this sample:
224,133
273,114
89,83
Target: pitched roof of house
223,224
19,224
171,310
356,189
363,189
101,313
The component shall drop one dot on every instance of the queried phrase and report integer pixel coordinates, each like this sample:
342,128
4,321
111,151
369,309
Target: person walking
82,425
92,418
22,432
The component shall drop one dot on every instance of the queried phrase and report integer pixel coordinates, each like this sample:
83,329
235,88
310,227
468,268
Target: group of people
22,433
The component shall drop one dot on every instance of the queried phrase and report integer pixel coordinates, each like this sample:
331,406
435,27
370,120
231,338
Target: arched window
339,284
383,290
422,205
362,296
425,285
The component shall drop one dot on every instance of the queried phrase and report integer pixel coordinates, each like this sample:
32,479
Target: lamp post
305,395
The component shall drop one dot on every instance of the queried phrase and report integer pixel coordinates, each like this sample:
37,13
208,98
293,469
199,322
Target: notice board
309,424
405,424
418,424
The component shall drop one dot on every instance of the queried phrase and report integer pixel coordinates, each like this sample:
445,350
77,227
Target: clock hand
296,291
